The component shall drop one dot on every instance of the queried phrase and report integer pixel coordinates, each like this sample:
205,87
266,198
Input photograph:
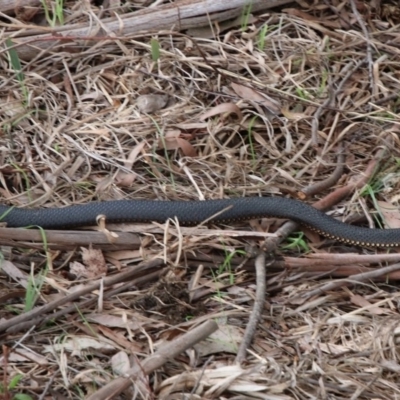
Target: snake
193,212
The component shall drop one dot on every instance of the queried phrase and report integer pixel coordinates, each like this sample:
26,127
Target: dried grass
80,136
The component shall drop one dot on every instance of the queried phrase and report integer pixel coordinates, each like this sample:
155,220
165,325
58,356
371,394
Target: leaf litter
235,119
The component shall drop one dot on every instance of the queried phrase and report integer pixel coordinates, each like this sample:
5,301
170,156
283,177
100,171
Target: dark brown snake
195,212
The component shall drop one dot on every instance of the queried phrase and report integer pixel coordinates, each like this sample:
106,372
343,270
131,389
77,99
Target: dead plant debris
258,109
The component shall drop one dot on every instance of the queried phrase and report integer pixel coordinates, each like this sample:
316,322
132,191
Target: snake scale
195,212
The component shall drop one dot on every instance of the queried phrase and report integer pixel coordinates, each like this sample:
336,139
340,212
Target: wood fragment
67,240
173,16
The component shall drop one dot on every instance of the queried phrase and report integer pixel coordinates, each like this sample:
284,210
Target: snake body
195,212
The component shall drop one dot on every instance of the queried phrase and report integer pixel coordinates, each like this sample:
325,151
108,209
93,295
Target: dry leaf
93,95
363,302
26,14
94,260
95,264
221,109
293,116
126,179
248,93
78,344
15,273
11,108
390,213
174,140
118,337
113,321
78,269
225,340
332,348
25,355
120,363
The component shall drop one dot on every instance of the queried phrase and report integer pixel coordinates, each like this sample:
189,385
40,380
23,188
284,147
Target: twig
331,100
159,358
368,43
257,307
342,259
112,280
340,193
325,203
67,240
351,280
85,303
287,228
172,16
330,180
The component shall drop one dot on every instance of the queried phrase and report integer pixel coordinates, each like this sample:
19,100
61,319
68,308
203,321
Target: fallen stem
159,358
